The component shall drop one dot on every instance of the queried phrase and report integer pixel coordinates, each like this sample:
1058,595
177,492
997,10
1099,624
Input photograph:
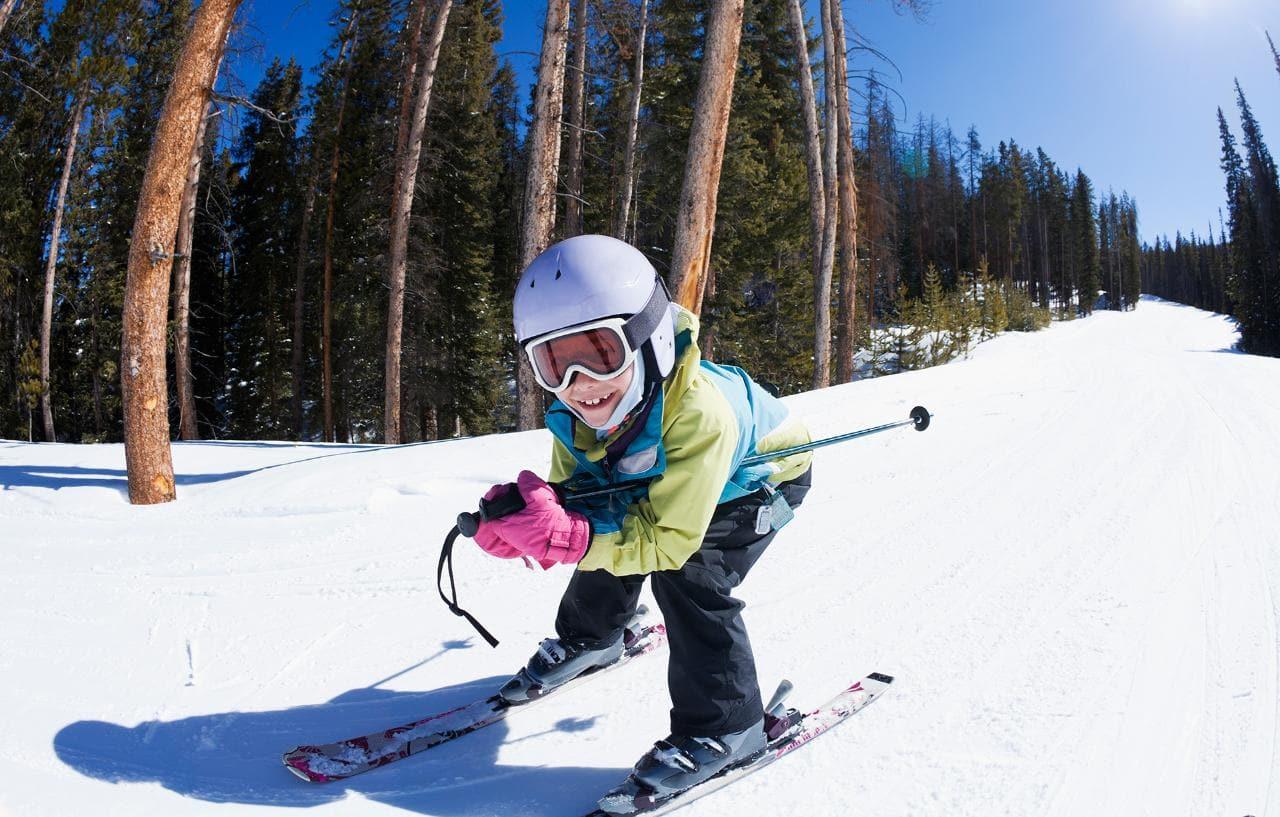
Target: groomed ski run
1073,575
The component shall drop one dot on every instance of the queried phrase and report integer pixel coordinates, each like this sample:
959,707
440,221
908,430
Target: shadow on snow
57,477
234,757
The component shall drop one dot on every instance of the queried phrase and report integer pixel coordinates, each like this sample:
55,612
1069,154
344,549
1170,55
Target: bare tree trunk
577,110
543,143
633,126
182,288
696,218
846,170
406,182
51,265
822,280
300,265
409,82
6,8
813,143
326,334
146,296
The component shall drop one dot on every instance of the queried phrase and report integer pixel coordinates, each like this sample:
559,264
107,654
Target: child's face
594,400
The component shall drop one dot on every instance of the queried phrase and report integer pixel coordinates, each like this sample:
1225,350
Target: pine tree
1263,232
937,319
1131,284
1084,243
264,210
995,315
30,387
966,317
457,341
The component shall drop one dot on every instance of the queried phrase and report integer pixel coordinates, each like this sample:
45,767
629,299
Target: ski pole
511,502
920,418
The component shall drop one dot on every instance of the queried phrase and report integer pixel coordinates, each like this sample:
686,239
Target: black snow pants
711,672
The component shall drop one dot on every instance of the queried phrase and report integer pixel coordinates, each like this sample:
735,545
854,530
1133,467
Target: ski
327,762
788,730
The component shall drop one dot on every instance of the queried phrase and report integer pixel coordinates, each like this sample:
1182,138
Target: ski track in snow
1073,576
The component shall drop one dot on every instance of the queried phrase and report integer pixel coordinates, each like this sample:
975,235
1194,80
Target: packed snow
1073,576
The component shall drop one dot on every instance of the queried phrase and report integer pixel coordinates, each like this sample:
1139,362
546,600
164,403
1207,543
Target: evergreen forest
283,267
1234,266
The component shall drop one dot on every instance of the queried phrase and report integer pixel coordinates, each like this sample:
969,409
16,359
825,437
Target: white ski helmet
591,278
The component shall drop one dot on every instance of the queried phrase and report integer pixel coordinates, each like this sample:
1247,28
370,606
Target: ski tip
881,677
298,773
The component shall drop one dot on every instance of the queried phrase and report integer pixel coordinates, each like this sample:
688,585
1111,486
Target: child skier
637,406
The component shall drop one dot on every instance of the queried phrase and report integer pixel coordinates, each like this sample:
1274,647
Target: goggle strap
640,326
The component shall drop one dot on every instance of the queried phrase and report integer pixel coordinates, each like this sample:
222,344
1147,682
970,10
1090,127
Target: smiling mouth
597,401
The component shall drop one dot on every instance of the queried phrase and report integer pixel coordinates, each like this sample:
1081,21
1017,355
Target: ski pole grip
505,504
920,415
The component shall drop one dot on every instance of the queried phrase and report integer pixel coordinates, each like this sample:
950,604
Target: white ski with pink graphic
788,730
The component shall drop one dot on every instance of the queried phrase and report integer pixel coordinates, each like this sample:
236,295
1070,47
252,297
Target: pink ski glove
488,537
543,531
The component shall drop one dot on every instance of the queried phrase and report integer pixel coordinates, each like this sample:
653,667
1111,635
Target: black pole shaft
920,418
824,442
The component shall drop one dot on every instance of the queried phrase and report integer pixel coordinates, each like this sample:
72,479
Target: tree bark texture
408,85
326,318
6,9
51,265
146,297
543,151
633,126
402,212
696,217
577,111
846,169
822,280
409,80
812,138
187,429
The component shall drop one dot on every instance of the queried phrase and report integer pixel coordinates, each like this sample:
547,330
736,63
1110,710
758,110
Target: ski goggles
601,349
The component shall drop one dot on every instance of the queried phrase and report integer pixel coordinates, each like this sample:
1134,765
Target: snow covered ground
1073,575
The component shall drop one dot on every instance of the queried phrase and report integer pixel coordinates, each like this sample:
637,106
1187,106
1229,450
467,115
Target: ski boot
556,662
681,762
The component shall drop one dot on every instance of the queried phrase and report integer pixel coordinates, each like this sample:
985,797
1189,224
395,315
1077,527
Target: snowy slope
1073,574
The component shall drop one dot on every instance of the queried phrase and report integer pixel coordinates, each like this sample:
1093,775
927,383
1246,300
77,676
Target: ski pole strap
446,561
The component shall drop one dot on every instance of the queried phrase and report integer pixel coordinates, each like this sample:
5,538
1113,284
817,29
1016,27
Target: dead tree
146,297
543,146
633,126
822,280
409,81
846,170
408,85
326,319
402,212
696,217
51,265
577,113
812,137
185,380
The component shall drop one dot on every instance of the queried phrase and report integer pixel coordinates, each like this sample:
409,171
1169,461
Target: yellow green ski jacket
685,460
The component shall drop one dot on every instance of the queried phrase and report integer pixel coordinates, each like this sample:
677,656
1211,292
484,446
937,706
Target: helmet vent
557,275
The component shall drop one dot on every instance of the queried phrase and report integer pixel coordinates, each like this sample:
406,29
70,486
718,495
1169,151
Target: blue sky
1126,89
